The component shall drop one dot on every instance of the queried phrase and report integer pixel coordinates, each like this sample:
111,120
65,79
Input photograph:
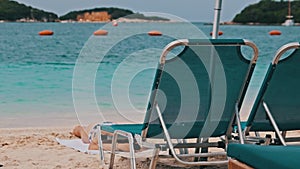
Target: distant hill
114,13
141,16
106,14
14,11
268,12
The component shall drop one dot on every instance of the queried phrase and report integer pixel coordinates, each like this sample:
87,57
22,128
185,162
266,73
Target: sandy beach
37,148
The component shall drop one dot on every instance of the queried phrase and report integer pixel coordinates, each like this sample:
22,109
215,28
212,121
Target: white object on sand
77,144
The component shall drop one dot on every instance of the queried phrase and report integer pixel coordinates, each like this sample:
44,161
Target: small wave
60,63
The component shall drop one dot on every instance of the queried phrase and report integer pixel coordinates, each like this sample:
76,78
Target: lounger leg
257,134
274,123
114,146
284,134
113,150
238,121
100,145
132,156
268,139
182,150
186,150
204,149
154,158
197,150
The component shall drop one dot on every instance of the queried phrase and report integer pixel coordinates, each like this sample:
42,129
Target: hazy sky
192,10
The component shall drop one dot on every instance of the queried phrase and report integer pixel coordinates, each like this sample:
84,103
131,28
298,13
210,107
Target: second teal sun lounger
277,107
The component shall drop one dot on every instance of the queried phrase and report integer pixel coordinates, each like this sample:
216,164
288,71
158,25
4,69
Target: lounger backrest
281,91
197,89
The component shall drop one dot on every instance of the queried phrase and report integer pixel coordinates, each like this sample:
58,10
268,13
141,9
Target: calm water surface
37,72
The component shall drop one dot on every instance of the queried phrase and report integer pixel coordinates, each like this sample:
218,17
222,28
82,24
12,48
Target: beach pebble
35,163
4,144
58,166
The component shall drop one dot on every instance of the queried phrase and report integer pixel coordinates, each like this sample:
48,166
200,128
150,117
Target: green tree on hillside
12,11
269,12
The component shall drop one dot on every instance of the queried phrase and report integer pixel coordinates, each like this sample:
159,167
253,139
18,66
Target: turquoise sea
74,75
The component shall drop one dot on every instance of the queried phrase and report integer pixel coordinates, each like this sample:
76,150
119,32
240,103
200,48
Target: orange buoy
46,33
219,33
100,32
275,32
154,33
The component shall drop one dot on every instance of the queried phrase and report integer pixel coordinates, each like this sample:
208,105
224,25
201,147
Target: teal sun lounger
195,95
277,106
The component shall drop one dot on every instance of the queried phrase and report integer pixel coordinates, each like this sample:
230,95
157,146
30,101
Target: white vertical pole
216,19
212,59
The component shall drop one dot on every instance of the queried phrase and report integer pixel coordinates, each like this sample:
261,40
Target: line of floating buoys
100,32
46,33
219,33
154,33
274,32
